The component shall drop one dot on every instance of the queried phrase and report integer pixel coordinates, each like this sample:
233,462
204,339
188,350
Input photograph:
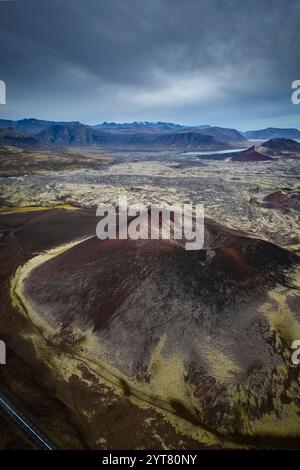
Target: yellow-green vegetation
172,398
285,423
293,248
221,366
248,401
282,320
167,390
11,210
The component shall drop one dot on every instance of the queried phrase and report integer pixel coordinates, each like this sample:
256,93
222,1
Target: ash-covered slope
209,332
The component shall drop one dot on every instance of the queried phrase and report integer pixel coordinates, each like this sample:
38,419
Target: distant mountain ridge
30,125
34,125
137,134
81,135
140,125
273,132
64,133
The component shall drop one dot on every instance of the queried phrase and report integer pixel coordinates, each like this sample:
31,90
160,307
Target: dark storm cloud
190,61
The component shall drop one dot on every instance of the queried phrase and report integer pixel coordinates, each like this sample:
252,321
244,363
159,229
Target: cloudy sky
223,62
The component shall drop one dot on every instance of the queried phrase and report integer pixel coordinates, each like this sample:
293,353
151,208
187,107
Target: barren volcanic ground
142,344
202,337
59,392
232,192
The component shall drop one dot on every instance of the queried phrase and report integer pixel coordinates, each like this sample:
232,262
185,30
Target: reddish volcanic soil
74,414
92,280
282,199
203,310
250,155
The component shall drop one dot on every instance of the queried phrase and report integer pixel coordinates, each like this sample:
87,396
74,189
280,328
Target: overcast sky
222,62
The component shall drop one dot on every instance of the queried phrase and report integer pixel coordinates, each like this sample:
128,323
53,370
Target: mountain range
273,132
128,136
134,135
31,125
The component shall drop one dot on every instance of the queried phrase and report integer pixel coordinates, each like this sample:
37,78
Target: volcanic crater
177,322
